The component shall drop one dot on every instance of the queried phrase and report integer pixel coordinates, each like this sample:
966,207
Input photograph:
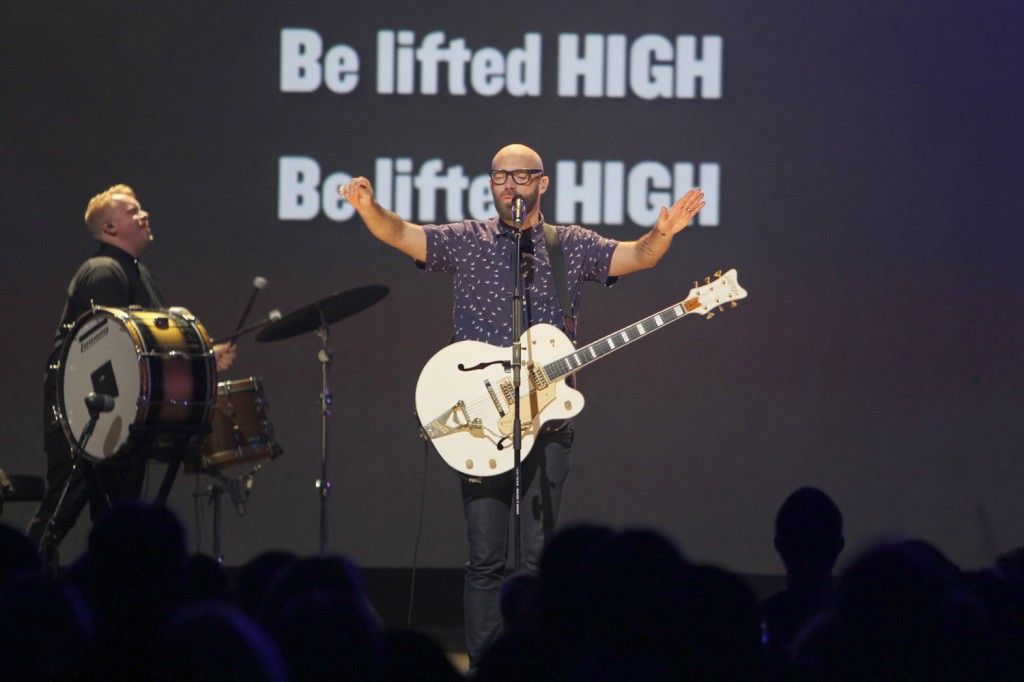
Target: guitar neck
582,357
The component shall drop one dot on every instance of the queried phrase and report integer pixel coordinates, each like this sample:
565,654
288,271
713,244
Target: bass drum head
101,355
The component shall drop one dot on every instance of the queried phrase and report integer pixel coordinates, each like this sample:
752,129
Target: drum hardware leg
48,544
240,441
174,463
239,488
216,490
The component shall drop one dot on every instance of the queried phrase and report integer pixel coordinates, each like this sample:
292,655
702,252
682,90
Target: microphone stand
239,489
215,491
517,363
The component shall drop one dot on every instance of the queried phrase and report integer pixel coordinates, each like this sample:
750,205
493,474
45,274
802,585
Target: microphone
518,211
240,488
238,497
273,316
97,403
257,286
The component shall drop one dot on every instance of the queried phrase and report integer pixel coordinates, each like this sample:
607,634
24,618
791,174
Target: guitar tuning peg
718,273
721,309
709,316
733,304
707,280
696,284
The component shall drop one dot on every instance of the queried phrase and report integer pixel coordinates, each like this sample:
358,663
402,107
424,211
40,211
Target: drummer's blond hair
96,211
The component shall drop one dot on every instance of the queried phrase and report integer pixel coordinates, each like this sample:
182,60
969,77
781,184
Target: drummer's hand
225,355
358,191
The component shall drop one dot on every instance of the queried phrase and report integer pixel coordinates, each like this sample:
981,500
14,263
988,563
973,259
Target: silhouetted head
411,656
17,554
565,598
519,600
639,596
136,562
904,612
205,579
809,533
329,636
332,575
722,625
216,640
44,631
256,576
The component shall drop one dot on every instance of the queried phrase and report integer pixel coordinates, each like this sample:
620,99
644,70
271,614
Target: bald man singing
477,255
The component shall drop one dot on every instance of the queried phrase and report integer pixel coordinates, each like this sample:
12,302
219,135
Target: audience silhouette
721,631
411,656
17,554
44,633
205,580
903,612
604,605
132,579
809,539
215,641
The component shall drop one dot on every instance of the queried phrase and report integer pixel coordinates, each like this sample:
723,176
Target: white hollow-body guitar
465,394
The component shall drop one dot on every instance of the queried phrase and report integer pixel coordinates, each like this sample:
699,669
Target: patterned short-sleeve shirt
478,255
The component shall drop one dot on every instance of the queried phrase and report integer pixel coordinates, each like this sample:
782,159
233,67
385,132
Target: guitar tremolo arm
453,421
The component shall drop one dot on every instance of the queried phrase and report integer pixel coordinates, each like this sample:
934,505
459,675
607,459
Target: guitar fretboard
598,349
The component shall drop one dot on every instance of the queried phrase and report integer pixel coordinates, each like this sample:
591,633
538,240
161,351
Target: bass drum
159,368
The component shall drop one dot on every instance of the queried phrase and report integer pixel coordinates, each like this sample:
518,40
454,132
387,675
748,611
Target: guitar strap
554,245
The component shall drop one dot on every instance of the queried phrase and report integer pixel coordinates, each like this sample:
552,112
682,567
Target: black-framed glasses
521,176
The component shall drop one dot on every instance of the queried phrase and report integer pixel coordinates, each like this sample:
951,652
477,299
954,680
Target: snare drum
241,432
157,365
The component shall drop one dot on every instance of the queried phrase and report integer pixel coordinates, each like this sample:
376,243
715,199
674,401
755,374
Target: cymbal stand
323,484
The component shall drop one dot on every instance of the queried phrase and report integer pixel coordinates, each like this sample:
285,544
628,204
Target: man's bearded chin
505,208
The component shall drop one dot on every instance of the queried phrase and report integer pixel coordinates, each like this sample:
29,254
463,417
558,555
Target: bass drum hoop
161,426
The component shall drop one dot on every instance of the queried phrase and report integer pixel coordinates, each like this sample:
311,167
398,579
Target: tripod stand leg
172,468
217,553
48,543
49,555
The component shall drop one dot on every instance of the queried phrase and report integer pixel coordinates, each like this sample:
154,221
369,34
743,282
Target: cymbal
333,308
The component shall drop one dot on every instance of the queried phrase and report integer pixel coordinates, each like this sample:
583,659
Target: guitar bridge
453,421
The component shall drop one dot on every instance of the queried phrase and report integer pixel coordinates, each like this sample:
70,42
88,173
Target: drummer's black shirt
112,278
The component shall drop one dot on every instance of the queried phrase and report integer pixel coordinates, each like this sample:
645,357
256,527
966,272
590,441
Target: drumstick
272,316
257,286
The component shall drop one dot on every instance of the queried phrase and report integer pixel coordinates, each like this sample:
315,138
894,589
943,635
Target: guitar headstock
724,289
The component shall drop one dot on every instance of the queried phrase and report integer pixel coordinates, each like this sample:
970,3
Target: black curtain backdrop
865,162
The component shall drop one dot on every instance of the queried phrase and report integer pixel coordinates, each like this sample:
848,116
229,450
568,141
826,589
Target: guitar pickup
494,397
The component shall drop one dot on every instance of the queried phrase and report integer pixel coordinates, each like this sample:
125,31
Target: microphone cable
419,525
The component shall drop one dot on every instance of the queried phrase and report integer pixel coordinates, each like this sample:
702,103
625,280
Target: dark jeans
487,505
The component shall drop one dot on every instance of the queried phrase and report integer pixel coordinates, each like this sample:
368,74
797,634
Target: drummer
114,278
